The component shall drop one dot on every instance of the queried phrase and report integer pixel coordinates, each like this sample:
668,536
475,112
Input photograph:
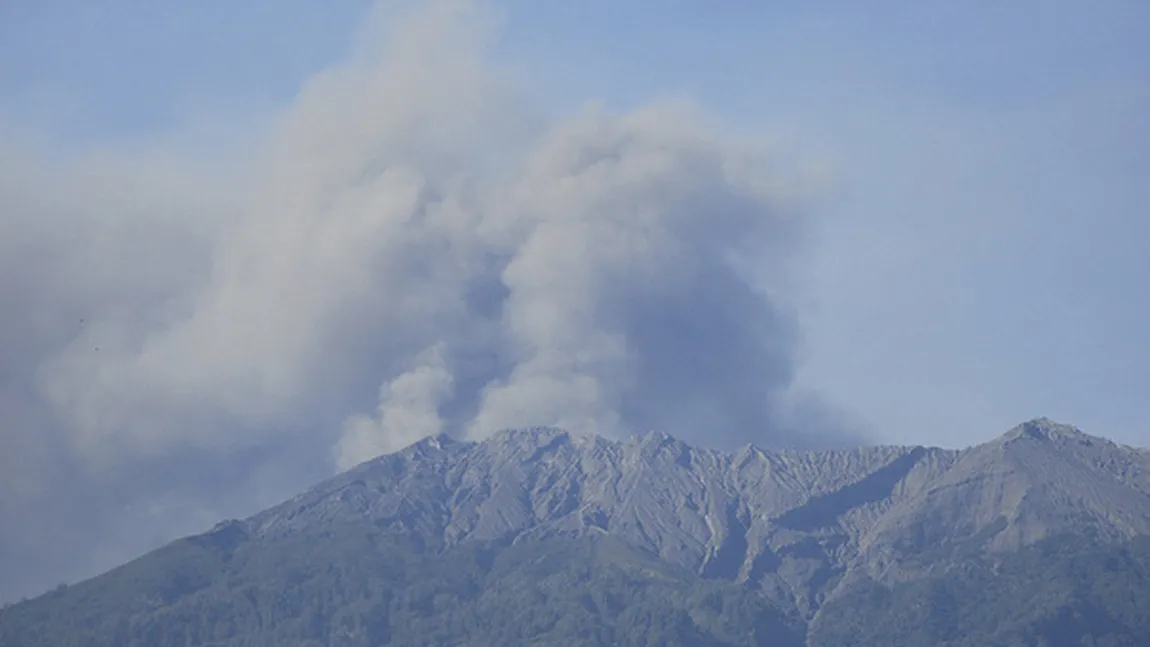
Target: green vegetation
1066,592
357,585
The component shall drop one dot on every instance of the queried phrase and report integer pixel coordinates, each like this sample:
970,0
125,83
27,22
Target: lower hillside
365,588
1040,538
1065,592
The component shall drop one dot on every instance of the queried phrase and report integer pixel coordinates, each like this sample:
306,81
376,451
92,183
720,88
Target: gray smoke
413,252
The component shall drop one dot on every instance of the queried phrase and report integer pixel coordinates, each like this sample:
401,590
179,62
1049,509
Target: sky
246,245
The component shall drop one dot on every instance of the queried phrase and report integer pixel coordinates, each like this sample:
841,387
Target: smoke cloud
413,251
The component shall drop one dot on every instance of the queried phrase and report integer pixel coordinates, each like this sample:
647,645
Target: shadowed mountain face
542,536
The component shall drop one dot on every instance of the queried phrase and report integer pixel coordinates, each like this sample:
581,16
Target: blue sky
981,261
973,256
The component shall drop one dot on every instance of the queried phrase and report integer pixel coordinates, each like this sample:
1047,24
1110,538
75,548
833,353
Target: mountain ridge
736,514
802,532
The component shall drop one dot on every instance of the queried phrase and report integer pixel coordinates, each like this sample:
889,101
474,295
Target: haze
244,247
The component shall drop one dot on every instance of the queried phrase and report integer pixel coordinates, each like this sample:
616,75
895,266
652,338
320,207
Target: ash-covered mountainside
1041,536
788,523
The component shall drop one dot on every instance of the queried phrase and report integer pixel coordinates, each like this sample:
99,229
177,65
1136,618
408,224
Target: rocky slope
790,524
793,530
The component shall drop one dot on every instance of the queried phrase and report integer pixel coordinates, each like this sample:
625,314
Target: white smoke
415,251
408,411
404,205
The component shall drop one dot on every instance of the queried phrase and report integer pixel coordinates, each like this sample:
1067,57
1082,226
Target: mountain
1040,537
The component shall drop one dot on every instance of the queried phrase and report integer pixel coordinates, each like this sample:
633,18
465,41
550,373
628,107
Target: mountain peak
1044,429
802,533
655,438
529,436
430,445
